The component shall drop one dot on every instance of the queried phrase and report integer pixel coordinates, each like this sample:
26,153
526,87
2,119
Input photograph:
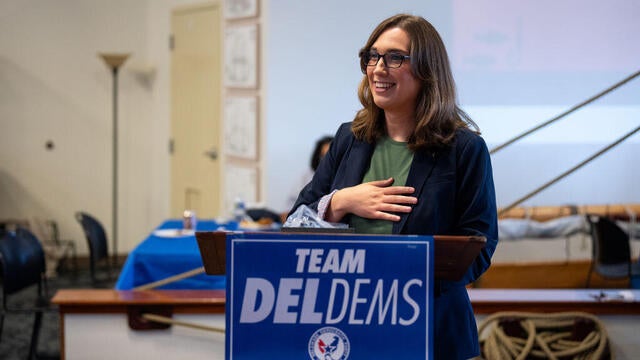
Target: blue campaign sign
328,297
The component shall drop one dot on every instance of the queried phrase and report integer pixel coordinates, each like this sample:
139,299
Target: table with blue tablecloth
161,256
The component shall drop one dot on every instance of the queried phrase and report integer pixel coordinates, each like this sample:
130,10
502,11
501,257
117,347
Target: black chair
611,253
22,264
97,242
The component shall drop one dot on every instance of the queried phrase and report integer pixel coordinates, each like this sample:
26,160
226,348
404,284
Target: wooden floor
558,275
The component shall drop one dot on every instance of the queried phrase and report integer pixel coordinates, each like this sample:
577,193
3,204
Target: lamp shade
114,60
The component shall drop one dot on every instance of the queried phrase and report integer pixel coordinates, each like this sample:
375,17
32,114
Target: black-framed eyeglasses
391,60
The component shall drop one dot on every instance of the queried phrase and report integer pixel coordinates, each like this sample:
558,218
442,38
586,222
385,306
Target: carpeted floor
16,332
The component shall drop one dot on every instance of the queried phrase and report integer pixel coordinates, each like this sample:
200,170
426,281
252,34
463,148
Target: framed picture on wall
239,9
241,56
240,126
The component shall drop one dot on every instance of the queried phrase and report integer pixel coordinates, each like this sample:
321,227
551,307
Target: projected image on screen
544,49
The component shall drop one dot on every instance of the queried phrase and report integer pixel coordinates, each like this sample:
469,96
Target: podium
332,296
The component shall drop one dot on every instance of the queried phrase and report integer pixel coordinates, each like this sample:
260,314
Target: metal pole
114,231
114,61
574,108
568,172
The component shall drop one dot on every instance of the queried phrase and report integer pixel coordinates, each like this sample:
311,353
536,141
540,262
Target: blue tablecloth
157,258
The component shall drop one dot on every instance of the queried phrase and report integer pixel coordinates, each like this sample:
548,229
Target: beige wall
54,87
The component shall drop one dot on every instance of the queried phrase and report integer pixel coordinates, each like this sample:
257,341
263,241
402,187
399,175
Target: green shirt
390,159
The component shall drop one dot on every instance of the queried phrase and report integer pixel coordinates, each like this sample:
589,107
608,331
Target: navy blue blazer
456,196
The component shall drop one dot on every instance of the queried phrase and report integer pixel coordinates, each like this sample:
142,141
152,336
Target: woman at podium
412,162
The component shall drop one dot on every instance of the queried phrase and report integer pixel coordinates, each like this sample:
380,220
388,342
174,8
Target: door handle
212,153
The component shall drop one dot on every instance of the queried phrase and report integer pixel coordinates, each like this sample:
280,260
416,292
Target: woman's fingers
373,200
381,183
399,208
380,215
388,208
387,189
394,208
400,199
397,190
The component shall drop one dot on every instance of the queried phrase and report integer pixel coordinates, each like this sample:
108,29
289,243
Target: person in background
412,162
320,149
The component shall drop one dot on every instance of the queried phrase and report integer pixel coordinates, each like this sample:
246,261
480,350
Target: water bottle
189,220
239,211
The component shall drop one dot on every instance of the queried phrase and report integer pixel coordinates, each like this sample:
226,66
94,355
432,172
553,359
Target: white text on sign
360,301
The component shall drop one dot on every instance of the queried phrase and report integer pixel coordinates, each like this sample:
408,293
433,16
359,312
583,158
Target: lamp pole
114,61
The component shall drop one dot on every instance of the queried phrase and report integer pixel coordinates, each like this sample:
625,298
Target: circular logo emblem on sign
329,343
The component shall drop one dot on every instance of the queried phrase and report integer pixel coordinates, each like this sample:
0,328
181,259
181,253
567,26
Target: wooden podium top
453,254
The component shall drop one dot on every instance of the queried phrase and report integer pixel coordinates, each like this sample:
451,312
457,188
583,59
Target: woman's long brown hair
437,113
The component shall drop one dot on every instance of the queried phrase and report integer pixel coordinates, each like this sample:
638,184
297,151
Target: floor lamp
114,61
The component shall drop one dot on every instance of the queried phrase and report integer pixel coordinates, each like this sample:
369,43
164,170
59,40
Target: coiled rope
521,335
